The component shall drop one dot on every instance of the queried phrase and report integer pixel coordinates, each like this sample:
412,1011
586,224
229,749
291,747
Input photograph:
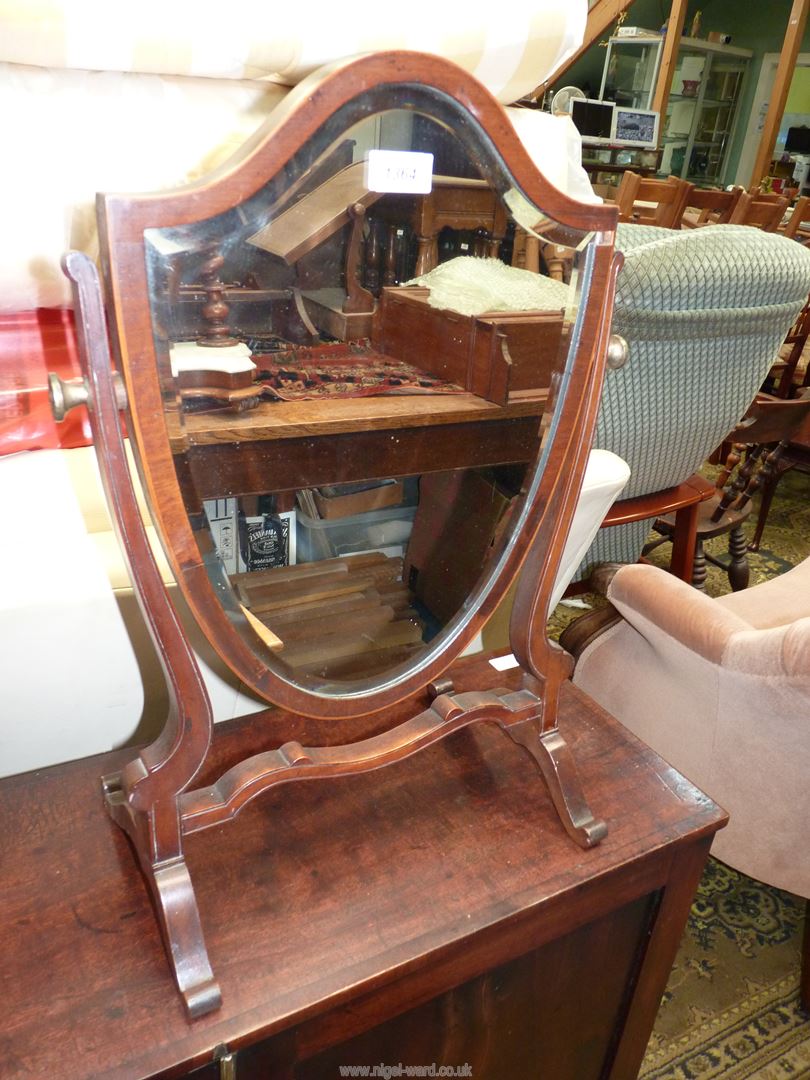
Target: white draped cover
510,47
98,96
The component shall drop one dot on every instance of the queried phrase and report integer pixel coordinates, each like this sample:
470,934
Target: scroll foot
183,937
176,905
553,755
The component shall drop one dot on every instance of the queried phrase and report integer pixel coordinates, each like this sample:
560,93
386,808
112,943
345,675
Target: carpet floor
731,1007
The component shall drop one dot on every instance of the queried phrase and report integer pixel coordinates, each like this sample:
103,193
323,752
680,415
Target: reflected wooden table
432,911
282,446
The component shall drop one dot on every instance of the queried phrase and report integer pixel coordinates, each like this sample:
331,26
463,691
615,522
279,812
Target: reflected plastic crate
385,530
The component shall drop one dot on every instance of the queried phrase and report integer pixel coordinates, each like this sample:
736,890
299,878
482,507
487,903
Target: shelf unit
702,111
605,164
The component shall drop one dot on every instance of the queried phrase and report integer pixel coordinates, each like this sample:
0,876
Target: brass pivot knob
617,352
66,394
440,686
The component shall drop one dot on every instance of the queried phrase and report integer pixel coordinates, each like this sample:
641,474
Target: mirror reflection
355,362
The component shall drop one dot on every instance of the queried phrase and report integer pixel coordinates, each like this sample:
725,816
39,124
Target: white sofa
80,675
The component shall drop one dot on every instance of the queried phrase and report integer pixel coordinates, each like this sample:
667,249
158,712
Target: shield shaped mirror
347,348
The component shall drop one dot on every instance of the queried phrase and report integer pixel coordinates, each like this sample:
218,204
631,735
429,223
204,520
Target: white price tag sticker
504,663
406,172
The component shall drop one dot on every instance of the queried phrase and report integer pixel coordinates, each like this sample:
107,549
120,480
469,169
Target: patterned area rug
731,1008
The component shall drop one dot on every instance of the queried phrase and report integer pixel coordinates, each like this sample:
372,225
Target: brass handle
67,394
227,1062
617,352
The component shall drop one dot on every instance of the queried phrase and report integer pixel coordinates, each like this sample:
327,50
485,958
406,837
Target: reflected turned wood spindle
358,299
216,333
393,235
373,256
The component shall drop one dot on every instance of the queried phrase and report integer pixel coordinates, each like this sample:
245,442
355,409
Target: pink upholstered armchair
721,689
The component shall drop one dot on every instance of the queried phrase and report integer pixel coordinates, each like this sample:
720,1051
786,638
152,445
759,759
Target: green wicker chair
704,313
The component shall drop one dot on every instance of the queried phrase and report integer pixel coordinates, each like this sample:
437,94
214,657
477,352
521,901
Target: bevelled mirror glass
355,360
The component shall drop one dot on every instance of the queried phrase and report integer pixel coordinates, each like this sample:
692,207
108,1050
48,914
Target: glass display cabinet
631,70
295,349
702,111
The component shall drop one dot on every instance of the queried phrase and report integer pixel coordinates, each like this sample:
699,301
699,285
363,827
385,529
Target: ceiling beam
669,57
784,73
600,17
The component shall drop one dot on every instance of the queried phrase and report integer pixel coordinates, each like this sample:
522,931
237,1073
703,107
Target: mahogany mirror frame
150,798
122,223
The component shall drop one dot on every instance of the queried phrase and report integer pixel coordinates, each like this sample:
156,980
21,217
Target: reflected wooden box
500,356
341,501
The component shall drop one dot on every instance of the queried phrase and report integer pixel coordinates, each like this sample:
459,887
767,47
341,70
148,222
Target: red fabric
33,343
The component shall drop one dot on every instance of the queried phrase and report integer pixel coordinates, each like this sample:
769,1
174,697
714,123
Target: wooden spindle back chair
783,373
762,211
709,206
797,227
757,444
644,201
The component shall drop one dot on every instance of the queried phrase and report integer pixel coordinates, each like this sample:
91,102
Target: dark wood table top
420,875
293,444
339,416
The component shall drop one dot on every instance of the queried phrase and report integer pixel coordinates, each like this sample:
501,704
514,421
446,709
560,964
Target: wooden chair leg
766,498
804,978
684,543
699,567
767,491
739,572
